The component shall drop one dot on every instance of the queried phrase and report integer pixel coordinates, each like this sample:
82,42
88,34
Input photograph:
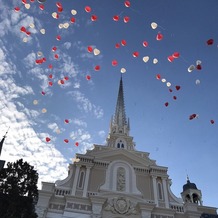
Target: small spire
2,141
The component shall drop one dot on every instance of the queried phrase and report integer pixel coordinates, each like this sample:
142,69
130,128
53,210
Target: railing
92,193
62,192
178,208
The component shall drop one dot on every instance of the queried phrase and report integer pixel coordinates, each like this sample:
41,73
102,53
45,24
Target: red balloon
170,90
126,19
97,68
24,2
50,76
177,88
66,121
94,17
56,56
88,9
176,54
158,76
23,29
114,63
50,66
77,143
88,77
66,140
210,41
191,117
135,54
117,45
54,49
170,58
62,81
58,37
145,44
198,67
73,20
43,93
127,4
159,37
166,104
44,59
123,42
41,7
66,78
174,97
90,49
116,17
47,139
60,10
212,121
17,9
58,4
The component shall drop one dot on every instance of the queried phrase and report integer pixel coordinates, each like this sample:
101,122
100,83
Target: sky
60,66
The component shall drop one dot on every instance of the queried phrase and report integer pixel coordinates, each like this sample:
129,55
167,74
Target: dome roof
189,185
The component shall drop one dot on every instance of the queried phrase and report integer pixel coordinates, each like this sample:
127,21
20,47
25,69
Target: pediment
132,157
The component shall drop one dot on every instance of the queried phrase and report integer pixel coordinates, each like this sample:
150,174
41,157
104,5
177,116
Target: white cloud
101,133
85,104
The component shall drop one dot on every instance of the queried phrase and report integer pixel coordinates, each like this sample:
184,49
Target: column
75,180
155,189
165,192
86,181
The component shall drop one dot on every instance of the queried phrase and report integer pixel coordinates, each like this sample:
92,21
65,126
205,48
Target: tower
2,162
191,194
120,126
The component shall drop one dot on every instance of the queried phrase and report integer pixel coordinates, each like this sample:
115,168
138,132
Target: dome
189,185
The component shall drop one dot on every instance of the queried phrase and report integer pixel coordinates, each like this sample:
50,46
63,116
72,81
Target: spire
2,141
120,115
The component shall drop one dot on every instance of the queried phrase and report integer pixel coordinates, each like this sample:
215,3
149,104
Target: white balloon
153,25
73,12
197,82
155,61
32,25
168,84
61,25
96,51
163,80
27,6
145,59
198,62
191,68
42,31
66,25
123,70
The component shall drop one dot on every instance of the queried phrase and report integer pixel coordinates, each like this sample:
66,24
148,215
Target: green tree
18,190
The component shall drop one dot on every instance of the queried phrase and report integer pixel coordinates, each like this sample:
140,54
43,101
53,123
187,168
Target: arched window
160,194
118,145
81,179
121,179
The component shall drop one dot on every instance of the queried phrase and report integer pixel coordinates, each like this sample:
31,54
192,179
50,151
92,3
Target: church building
116,181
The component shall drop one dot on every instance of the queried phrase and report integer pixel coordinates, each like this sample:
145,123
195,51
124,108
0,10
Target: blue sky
185,146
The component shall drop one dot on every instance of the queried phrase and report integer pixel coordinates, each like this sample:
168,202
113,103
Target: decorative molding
121,205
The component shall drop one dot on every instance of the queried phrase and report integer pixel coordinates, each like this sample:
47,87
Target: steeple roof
120,114
2,142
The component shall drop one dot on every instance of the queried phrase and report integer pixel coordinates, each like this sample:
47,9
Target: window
159,187
81,179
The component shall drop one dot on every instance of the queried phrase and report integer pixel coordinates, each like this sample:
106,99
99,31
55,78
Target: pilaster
75,179
86,181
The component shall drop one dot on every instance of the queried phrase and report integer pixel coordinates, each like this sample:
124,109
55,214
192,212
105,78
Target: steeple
2,142
2,162
120,125
119,122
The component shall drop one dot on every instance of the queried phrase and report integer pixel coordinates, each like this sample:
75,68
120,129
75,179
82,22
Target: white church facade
116,181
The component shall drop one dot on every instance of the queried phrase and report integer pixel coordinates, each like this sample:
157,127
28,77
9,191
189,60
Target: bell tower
191,194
